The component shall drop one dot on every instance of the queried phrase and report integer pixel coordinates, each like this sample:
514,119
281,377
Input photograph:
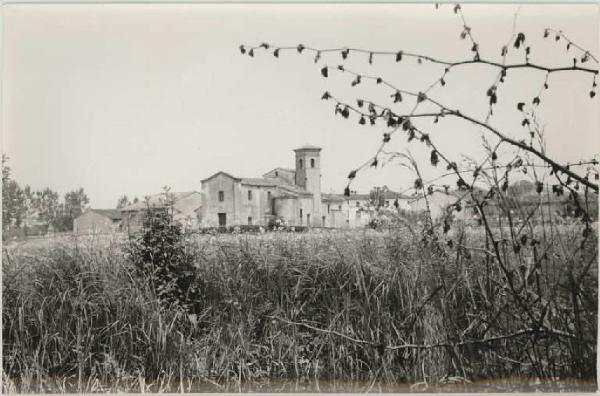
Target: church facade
291,196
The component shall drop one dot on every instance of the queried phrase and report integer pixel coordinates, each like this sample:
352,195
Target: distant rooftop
156,200
308,147
113,214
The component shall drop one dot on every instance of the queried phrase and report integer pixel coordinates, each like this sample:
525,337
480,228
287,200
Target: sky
127,98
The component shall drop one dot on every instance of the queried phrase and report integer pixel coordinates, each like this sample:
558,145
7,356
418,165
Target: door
222,219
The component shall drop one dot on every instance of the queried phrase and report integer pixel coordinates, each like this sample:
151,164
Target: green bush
164,262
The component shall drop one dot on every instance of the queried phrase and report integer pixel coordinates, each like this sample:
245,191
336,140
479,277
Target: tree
14,205
123,202
411,124
75,203
513,249
46,202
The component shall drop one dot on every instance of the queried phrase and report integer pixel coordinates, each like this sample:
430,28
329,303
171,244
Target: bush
163,260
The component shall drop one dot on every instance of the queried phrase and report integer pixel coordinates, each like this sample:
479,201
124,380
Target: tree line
25,210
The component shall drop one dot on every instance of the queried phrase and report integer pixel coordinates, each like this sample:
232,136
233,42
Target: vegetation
320,310
498,293
27,212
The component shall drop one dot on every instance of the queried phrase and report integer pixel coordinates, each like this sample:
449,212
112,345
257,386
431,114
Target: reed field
354,310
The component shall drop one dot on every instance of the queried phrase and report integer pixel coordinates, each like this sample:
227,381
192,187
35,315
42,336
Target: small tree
75,203
14,202
123,202
163,259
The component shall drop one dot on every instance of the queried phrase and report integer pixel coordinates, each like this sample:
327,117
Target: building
292,196
185,206
98,221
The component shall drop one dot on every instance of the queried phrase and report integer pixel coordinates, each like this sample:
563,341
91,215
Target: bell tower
308,176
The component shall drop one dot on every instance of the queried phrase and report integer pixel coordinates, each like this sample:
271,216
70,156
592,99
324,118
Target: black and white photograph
318,197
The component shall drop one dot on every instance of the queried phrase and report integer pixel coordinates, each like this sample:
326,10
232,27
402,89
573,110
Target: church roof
262,181
289,170
220,173
276,182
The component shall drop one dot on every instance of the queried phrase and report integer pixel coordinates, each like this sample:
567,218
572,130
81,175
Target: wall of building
186,210
336,213
259,208
438,202
211,205
236,205
289,209
92,222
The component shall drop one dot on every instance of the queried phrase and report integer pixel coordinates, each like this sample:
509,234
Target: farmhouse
98,221
185,206
292,196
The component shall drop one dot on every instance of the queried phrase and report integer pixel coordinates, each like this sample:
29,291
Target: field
361,310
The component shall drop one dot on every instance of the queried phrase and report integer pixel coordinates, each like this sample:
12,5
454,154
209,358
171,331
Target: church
290,196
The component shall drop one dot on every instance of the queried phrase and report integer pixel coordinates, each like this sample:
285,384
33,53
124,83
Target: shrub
164,261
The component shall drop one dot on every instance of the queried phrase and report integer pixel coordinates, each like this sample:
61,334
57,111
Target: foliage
13,199
47,203
23,208
75,203
162,259
123,201
329,311
516,261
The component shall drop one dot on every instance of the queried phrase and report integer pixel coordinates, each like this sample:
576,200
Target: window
300,216
323,220
249,195
312,162
276,174
357,204
269,195
328,208
340,207
249,220
221,196
308,219
300,164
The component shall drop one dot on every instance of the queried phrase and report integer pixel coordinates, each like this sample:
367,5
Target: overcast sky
123,99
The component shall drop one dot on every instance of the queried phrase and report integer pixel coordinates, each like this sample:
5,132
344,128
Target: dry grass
328,311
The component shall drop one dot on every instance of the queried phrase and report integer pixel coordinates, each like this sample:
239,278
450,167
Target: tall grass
343,311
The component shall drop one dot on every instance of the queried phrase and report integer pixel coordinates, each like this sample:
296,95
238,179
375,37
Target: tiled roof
389,194
156,200
113,214
262,181
288,170
220,173
276,182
